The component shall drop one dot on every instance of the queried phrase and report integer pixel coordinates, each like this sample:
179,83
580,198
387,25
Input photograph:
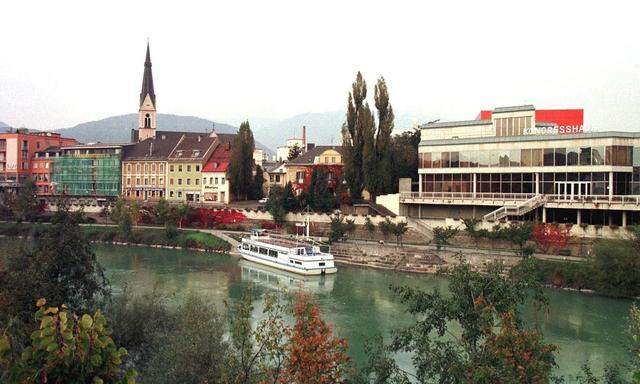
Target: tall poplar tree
242,164
353,138
377,164
384,151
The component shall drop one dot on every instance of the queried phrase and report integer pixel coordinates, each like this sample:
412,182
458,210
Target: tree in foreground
61,266
475,334
314,354
256,355
66,348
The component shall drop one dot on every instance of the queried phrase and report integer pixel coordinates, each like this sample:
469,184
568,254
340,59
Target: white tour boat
286,254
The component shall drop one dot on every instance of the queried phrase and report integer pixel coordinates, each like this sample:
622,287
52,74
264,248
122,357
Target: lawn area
156,236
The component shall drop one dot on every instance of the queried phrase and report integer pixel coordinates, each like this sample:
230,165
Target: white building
508,163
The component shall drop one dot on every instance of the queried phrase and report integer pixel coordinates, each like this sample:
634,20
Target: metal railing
517,197
466,196
518,210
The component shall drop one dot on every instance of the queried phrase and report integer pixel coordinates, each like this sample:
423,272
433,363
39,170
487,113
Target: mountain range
323,128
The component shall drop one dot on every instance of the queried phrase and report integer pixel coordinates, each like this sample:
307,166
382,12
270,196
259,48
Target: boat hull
284,267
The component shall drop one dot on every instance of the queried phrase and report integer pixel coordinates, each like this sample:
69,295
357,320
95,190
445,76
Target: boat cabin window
263,251
254,248
321,264
300,251
245,246
297,262
273,253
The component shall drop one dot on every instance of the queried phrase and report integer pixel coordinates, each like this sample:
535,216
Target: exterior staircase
421,227
516,210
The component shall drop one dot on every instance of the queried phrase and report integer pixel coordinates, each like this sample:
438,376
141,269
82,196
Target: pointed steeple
147,80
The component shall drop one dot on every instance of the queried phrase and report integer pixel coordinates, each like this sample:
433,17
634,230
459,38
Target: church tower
147,113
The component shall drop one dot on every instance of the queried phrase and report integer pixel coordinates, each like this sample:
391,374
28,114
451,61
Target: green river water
358,301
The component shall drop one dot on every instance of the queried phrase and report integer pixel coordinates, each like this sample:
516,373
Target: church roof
147,80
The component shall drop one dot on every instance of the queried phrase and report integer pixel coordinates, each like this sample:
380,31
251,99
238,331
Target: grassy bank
149,236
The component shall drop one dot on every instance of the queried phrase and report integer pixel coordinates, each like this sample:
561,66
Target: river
359,304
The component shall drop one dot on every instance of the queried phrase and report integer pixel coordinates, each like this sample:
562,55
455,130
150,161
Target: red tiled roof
219,160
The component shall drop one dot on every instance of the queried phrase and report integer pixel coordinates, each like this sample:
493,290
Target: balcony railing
517,197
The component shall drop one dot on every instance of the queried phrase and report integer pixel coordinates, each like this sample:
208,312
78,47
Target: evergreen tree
353,137
294,152
258,180
241,164
289,201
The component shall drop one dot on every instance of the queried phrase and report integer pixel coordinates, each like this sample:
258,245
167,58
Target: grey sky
65,64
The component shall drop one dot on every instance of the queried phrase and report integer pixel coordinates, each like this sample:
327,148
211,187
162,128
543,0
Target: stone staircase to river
404,259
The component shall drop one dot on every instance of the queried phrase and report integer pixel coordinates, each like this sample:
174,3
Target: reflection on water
276,279
358,302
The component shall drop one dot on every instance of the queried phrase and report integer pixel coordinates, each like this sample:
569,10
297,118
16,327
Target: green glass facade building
88,171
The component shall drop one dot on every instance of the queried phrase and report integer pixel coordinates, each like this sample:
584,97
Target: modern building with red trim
519,162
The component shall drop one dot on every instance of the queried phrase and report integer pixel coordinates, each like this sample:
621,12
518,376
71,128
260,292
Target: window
188,168
548,157
597,155
561,156
129,168
137,168
128,181
197,181
197,168
179,193
170,193
585,156
573,155
160,181
179,168
171,181
204,181
188,181
153,167
216,181
179,181
171,168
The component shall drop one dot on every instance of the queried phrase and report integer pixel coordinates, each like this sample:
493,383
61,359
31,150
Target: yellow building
185,166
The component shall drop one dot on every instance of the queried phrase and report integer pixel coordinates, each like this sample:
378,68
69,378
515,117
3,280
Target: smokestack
304,138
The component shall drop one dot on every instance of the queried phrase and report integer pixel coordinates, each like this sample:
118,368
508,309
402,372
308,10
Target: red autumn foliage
207,217
315,355
549,236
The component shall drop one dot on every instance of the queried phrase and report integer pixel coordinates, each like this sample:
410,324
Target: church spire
147,112
147,80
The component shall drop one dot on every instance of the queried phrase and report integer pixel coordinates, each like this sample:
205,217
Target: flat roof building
508,163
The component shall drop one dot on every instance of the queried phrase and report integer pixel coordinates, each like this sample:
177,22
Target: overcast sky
65,64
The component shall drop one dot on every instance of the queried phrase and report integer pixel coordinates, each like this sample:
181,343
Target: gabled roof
220,158
308,157
158,148
274,167
193,146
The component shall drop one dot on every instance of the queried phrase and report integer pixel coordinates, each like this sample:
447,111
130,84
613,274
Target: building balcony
614,202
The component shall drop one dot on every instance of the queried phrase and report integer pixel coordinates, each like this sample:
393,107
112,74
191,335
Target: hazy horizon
67,64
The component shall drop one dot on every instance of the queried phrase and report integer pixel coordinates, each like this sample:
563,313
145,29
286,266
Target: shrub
66,349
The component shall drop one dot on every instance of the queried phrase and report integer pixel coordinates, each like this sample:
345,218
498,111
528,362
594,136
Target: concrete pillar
624,219
578,217
610,185
610,219
419,211
475,183
544,214
537,183
420,184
